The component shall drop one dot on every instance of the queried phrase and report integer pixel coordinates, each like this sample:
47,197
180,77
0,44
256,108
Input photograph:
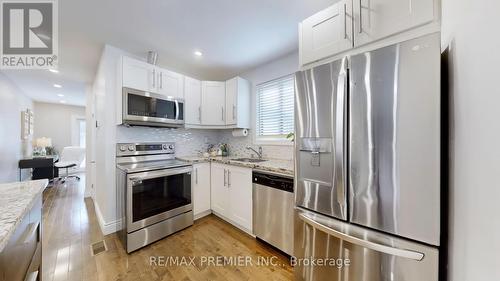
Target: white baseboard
87,193
106,227
202,214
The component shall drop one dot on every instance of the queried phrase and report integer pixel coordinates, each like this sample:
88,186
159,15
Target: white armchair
71,156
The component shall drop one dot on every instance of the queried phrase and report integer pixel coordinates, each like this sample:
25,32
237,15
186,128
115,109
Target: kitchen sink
249,160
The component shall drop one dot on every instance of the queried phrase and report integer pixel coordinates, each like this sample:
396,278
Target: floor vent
98,247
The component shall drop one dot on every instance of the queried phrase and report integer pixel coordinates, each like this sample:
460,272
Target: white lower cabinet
231,190
239,181
219,190
200,183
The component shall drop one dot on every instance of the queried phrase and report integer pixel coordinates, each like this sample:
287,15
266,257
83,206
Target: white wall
103,172
470,28
57,121
278,68
12,102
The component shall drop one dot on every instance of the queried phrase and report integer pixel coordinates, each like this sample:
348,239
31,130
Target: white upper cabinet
326,33
146,77
352,23
170,83
376,19
192,96
208,104
138,75
238,102
231,101
213,99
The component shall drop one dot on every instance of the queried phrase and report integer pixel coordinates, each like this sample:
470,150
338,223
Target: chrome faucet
259,153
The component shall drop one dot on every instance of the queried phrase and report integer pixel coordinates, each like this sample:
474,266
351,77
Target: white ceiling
234,36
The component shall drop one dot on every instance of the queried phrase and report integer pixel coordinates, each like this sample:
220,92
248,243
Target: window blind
275,102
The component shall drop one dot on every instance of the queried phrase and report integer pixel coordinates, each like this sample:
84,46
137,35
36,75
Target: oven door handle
160,173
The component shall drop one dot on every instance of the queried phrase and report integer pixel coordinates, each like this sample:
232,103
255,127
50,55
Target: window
274,106
78,130
81,132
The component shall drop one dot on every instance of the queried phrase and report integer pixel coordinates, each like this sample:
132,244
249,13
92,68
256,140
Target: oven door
140,108
157,195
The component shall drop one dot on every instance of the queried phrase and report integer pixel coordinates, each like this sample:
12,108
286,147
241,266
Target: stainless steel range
153,191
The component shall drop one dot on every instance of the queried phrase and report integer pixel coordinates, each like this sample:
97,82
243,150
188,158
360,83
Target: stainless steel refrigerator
367,182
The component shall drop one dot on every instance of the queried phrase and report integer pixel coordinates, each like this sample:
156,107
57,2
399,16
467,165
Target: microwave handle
176,110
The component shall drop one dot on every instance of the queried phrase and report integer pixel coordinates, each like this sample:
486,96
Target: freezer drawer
394,138
353,253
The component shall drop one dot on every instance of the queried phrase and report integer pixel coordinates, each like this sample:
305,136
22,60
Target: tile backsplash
187,141
192,141
237,147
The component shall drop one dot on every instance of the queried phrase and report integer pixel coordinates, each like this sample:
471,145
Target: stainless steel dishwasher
273,204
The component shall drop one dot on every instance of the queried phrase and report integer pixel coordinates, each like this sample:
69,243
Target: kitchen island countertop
16,200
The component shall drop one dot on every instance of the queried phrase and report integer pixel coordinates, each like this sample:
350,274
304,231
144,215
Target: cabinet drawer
19,252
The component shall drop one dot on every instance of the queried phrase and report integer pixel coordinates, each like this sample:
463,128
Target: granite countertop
272,165
16,200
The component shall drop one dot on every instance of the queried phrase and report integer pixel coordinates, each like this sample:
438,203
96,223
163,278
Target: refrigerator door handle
363,243
340,135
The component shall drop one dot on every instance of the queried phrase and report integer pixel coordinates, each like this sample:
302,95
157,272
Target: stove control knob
164,147
123,148
171,146
131,148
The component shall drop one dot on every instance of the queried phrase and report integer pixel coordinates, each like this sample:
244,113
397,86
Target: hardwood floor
70,226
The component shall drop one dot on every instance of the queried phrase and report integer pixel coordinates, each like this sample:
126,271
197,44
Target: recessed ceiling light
198,53
62,101
60,95
54,70
57,86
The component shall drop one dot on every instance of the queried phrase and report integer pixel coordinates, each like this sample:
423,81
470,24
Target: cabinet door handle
154,78
199,113
234,112
225,177
222,109
228,178
360,17
345,21
30,232
196,173
161,80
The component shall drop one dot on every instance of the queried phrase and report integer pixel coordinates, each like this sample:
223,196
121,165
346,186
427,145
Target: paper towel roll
240,133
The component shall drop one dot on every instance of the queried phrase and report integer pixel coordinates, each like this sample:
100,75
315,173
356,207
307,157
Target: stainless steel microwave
154,110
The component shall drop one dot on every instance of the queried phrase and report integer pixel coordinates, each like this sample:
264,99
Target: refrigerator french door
368,165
